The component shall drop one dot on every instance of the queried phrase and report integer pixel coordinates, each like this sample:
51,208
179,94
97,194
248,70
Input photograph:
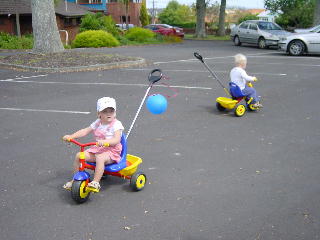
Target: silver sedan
299,43
261,33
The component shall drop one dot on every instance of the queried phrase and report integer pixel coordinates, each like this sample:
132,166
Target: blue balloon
157,104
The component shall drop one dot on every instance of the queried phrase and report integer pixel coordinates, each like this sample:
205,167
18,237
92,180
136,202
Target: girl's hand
102,143
67,137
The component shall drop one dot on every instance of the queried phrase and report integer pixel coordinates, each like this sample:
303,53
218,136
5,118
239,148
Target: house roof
24,7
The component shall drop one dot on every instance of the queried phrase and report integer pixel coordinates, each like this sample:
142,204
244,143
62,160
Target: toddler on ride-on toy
239,77
107,131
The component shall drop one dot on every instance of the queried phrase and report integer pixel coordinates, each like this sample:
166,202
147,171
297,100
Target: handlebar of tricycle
82,144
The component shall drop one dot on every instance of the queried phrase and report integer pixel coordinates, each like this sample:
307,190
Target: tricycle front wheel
79,192
138,181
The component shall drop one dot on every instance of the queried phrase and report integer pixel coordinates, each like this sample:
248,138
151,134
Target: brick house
114,8
68,14
67,17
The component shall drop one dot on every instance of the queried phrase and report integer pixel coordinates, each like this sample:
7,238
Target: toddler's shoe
68,185
94,186
257,105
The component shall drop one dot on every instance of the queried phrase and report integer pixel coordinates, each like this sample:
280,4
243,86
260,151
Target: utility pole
153,13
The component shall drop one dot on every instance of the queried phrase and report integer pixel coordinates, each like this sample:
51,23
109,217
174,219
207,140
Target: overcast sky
239,3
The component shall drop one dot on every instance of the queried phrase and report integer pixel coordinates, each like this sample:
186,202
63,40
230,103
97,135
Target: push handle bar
155,76
197,55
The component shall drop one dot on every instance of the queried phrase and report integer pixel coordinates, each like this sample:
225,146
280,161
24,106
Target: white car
261,33
299,43
303,30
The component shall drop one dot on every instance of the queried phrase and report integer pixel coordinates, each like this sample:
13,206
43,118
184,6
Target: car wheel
296,48
262,43
236,41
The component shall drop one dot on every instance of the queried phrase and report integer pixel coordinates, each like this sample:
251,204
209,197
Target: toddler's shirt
239,76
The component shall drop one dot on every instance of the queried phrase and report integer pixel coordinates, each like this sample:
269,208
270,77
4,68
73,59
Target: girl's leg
76,163
251,92
101,160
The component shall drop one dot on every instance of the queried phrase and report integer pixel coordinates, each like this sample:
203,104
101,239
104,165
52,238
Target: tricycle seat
235,90
116,167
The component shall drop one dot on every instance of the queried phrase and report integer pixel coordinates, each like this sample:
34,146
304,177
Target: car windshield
316,29
268,26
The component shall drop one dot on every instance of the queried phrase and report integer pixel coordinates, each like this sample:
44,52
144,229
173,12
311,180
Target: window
253,27
244,25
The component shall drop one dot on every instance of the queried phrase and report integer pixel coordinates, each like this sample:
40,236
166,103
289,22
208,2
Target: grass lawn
209,37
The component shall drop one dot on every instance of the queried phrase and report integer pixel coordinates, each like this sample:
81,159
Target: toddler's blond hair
240,59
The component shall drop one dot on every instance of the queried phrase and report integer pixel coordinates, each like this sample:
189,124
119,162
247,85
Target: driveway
210,175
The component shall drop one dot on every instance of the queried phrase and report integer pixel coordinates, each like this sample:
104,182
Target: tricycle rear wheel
138,181
220,107
78,191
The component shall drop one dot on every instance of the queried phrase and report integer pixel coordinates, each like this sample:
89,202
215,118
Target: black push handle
197,55
155,76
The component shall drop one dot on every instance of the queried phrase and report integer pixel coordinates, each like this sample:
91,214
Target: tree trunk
316,19
222,15
17,20
18,25
201,13
45,31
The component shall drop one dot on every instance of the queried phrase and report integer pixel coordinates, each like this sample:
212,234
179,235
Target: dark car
165,29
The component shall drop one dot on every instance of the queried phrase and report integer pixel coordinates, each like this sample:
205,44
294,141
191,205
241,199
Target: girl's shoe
94,186
68,185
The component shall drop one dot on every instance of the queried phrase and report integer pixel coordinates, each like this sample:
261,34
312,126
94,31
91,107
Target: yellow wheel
138,181
79,192
240,110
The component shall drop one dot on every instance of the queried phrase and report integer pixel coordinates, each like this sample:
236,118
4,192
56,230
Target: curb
140,61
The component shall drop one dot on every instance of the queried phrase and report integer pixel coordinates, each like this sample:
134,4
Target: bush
248,17
13,42
139,34
95,38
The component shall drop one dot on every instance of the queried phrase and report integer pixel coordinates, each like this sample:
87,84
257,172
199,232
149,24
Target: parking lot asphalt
210,175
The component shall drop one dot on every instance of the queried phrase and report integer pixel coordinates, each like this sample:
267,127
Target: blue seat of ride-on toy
235,90
116,167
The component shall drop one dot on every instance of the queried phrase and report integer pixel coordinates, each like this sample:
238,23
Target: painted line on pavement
43,110
110,84
22,77
203,71
210,58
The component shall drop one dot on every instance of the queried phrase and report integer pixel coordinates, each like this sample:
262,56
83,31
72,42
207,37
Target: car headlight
283,38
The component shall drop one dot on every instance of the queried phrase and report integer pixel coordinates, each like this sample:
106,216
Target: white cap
106,102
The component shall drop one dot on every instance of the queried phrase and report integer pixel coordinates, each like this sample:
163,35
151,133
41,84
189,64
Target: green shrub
139,34
13,42
110,26
95,38
91,22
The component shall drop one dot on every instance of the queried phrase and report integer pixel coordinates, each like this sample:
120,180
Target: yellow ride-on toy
236,100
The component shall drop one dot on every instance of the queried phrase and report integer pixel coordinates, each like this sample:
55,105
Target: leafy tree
201,13
175,14
316,19
144,18
248,17
294,13
45,29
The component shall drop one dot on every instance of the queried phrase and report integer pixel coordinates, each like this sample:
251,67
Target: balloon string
171,88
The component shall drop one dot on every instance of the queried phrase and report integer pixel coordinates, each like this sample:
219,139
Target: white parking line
110,84
43,110
22,77
210,58
203,71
